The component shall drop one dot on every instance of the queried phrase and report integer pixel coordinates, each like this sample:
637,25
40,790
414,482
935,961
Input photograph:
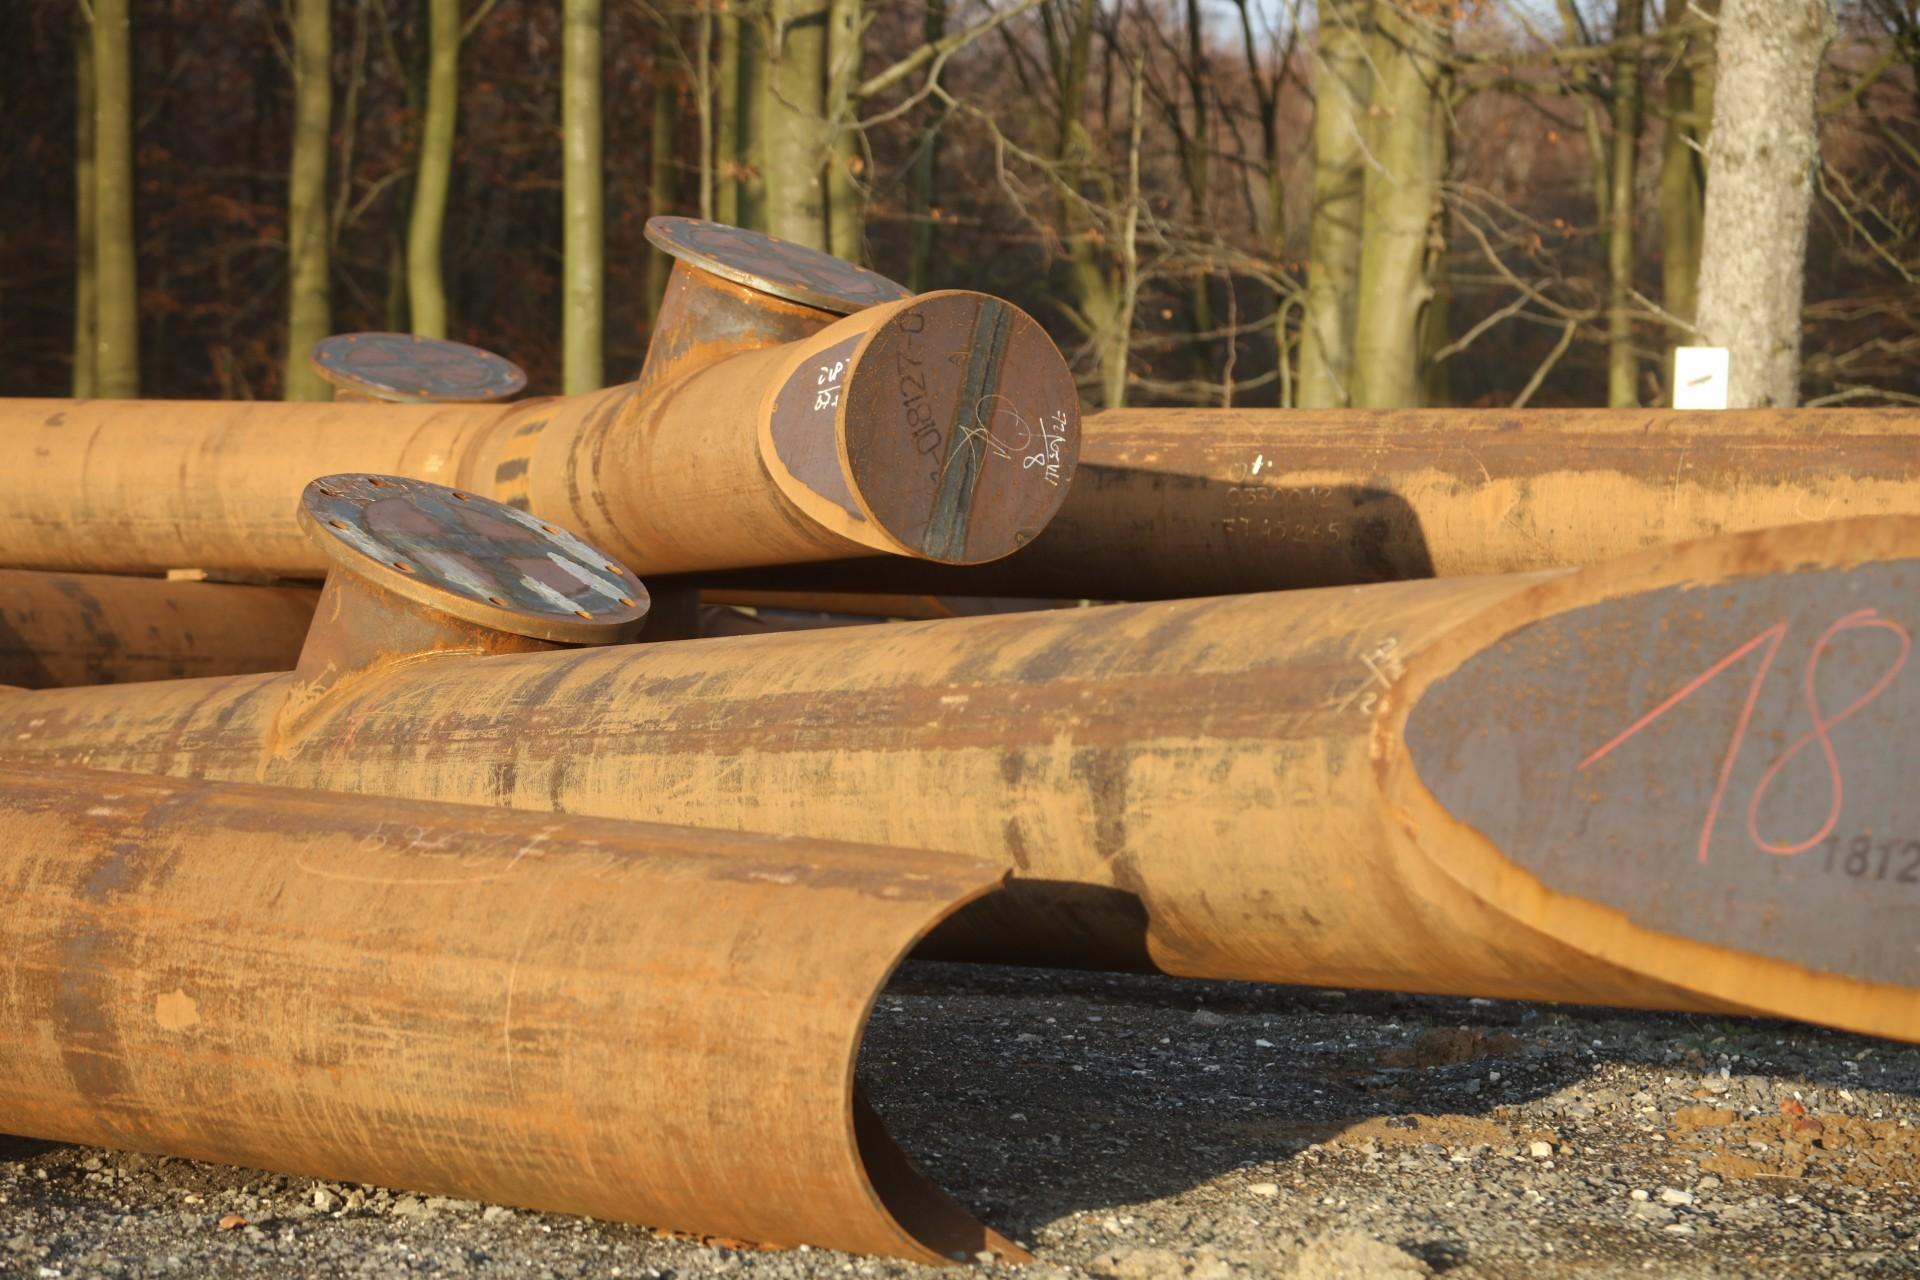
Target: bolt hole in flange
474,558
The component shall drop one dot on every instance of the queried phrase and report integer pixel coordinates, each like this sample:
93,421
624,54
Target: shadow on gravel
1033,1094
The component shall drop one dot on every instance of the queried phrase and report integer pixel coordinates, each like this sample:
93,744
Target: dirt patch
1449,1046
1852,1151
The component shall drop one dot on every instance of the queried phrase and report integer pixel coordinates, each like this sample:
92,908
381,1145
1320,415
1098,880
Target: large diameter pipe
73,628
909,428
1185,502
1413,786
642,1023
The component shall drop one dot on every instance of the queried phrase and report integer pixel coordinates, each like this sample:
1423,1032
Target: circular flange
473,558
407,369
779,267
961,426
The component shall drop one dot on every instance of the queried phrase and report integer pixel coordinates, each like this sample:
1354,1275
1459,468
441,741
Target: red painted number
1821,733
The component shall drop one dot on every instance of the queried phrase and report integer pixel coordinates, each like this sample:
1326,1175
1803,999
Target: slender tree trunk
1683,174
426,284
703,98
116,315
309,306
1623,368
751,144
1436,324
797,139
1760,158
726,127
921,206
1195,169
85,254
582,325
846,188
1401,203
660,185
1341,86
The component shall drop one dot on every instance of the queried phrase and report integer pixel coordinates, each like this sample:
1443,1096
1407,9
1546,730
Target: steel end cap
407,369
779,267
961,427
473,558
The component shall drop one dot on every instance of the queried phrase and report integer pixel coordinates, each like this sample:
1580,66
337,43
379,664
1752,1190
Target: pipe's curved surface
637,1022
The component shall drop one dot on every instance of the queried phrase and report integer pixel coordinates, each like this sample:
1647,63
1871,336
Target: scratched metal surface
477,559
410,369
1736,763
775,266
633,1022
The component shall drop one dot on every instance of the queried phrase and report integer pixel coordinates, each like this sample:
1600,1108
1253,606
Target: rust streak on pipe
71,628
1376,787
642,1023
1184,502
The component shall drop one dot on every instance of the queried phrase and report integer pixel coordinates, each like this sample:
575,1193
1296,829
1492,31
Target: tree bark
1401,203
309,306
1623,368
926,171
426,284
582,326
117,315
85,252
1760,159
797,138
846,190
1683,175
727,115
750,148
660,185
1341,86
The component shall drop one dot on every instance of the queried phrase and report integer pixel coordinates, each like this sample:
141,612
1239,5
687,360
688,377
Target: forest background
1247,202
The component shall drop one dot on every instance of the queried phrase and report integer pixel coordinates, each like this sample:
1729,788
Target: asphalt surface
1137,1128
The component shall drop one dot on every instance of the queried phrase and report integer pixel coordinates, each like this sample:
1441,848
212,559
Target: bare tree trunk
1683,173
1401,202
703,99
1623,368
582,328
660,185
426,285
846,191
798,139
750,148
726,127
85,250
1195,168
1341,86
309,305
926,171
117,316
1760,159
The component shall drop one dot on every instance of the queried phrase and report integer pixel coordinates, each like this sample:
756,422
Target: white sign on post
1699,377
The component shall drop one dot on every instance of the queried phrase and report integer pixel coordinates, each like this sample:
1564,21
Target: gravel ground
1137,1128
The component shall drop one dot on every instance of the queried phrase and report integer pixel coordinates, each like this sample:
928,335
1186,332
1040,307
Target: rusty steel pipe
642,1023
1185,502
1399,786
909,428
73,628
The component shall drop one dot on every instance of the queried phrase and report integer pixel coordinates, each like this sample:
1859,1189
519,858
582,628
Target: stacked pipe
1361,722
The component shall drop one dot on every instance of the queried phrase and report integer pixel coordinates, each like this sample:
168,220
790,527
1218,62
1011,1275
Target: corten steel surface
944,426
644,1023
1492,786
1186,502
76,628
735,290
405,368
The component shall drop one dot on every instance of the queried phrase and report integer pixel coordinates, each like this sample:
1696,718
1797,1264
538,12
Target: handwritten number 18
1821,733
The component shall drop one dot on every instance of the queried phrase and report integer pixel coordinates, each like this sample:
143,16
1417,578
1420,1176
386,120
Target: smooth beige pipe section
1186,502
76,628
641,1023
1223,787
